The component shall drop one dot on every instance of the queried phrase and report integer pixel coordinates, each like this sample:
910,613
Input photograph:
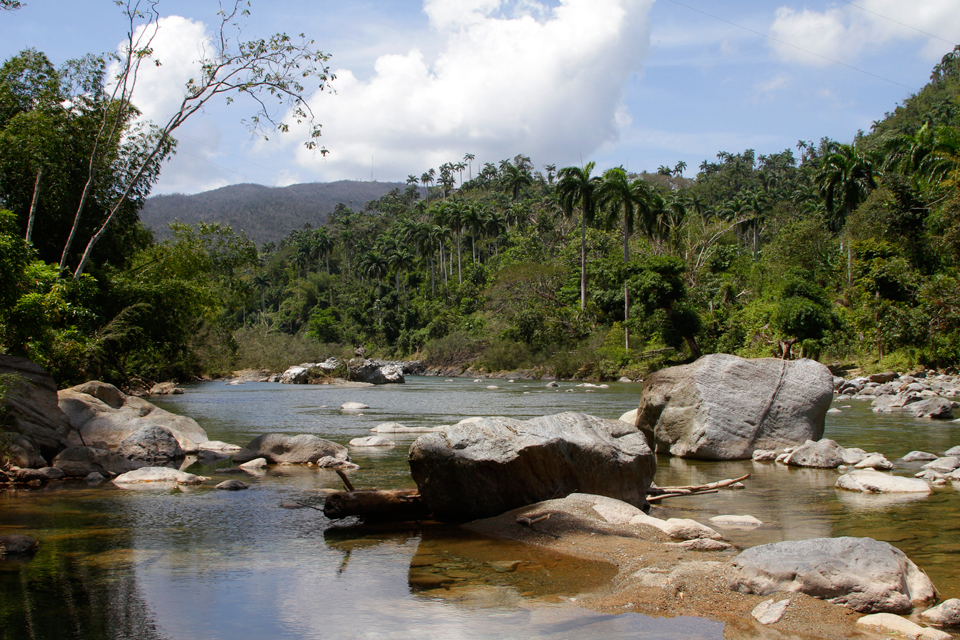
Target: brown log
697,487
397,505
664,496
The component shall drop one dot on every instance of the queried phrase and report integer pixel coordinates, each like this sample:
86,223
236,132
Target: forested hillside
265,214
848,252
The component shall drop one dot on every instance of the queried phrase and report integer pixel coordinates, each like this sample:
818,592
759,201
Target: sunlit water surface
204,564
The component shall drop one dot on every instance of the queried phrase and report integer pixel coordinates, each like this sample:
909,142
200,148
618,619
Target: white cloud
511,77
844,33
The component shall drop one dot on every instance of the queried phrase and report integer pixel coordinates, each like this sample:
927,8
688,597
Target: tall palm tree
455,214
620,197
515,178
577,187
469,158
323,244
262,281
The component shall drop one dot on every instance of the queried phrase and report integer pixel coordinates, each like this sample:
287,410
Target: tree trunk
391,505
583,262
33,206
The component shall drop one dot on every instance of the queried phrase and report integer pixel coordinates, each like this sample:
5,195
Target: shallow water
204,564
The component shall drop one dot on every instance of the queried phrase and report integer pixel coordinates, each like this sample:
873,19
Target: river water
196,563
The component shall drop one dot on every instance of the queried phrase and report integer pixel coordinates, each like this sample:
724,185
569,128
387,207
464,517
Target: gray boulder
824,454
945,464
863,574
374,372
36,428
482,467
278,448
723,407
934,408
79,462
916,456
151,444
102,413
873,481
232,485
44,474
157,477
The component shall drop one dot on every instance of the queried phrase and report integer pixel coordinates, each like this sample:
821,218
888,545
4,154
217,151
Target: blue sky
639,83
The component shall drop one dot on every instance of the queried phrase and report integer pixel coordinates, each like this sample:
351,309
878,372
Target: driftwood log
397,505
655,494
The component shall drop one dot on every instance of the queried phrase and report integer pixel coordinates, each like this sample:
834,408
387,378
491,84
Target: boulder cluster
925,394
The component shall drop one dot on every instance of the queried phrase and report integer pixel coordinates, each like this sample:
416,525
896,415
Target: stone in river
233,485
723,407
953,451
79,462
872,481
16,545
945,614
863,574
158,476
915,456
353,406
278,448
505,566
888,623
824,454
372,441
483,467
945,464
152,443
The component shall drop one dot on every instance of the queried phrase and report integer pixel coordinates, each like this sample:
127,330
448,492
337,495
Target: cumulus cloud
510,77
843,33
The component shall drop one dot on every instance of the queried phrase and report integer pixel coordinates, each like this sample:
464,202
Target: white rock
353,406
329,462
768,612
219,447
256,463
396,427
630,417
158,476
492,386
954,451
945,464
682,528
890,623
872,481
875,461
700,544
914,456
616,511
830,410
372,441
736,521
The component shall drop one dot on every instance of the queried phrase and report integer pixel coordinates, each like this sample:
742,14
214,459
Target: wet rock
934,408
101,413
505,566
764,455
44,474
723,407
396,427
552,385
485,466
233,485
372,441
915,456
736,521
16,545
887,623
278,448
824,454
79,462
353,406
770,612
157,476
863,574
151,444
256,463
329,462
872,481
94,478
875,461
945,614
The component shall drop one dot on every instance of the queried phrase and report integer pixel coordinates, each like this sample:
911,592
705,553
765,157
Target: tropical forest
847,252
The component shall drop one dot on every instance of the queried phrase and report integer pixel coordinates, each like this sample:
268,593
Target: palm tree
454,216
262,281
323,244
845,178
619,197
515,178
678,170
551,172
577,186
474,218
469,158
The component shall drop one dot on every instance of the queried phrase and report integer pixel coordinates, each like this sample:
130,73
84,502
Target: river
196,563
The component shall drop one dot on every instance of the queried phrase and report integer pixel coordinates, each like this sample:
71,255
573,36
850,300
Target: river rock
232,485
353,406
915,456
953,451
165,389
396,427
872,481
256,463
79,462
934,408
102,413
945,614
485,466
372,441
723,407
875,461
373,372
887,623
16,545
278,448
680,528
736,521
945,464
158,476
769,612
882,378
824,454
863,574
36,428
44,474
764,455
299,374
151,444
630,417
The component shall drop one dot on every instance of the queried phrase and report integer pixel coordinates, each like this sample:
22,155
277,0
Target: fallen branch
396,505
664,496
529,522
696,488
346,480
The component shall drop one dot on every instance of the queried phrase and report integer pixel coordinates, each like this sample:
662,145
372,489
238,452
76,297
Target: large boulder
933,408
482,467
723,407
151,444
37,428
863,574
79,462
102,414
279,448
873,481
824,454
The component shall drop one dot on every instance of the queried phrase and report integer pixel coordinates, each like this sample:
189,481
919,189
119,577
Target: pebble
769,612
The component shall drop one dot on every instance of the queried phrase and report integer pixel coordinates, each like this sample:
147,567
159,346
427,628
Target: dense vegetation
843,252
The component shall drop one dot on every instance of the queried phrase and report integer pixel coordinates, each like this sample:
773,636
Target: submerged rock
233,485
945,614
396,427
158,476
723,407
16,545
873,481
372,441
278,448
863,574
484,466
